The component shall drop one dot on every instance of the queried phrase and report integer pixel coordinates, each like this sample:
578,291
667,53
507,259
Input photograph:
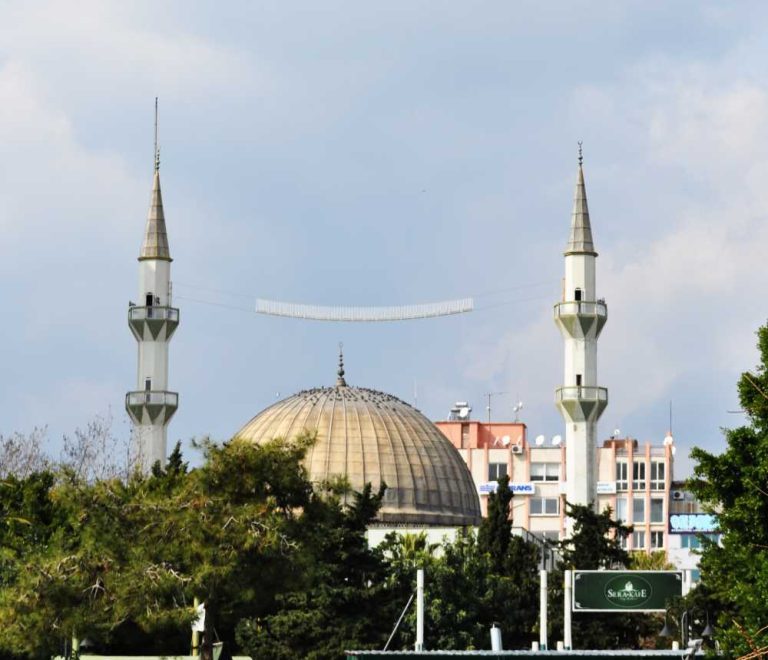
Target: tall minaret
153,321
580,317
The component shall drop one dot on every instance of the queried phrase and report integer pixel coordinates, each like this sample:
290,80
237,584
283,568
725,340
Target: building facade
634,479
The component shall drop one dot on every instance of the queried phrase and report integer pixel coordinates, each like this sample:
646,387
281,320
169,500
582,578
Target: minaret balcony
153,323
151,406
580,318
581,403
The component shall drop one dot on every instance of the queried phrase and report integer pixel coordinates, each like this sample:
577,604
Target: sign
625,591
518,488
692,523
606,487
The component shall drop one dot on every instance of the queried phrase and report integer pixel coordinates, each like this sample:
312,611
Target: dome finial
581,156
340,382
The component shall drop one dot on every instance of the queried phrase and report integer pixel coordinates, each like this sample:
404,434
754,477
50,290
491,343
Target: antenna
517,408
670,417
156,155
490,395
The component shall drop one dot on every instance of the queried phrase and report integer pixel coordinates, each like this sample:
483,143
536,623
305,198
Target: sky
348,153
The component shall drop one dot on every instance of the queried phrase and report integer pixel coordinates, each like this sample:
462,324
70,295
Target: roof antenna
340,382
581,156
157,149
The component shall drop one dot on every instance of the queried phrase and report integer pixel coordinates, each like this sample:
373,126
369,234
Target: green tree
343,600
127,556
596,543
734,573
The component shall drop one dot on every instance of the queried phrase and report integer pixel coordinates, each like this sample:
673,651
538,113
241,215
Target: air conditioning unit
678,495
516,449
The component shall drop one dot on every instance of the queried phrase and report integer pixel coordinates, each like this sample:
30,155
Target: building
633,479
580,316
688,524
368,436
153,322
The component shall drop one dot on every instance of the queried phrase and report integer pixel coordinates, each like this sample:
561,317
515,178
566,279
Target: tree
344,599
132,555
596,543
734,573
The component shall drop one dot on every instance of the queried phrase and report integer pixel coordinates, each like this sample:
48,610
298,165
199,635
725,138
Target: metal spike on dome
340,382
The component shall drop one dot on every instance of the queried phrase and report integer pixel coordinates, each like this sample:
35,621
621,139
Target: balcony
153,323
152,398
579,318
581,393
156,313
581,403
151,406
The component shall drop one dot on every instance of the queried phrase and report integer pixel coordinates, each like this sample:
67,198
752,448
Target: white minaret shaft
580,317
153,321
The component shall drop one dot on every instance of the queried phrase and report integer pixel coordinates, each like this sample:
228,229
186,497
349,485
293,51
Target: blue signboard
692,523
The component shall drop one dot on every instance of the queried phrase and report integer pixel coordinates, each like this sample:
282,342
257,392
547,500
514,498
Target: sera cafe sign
518,488
637,591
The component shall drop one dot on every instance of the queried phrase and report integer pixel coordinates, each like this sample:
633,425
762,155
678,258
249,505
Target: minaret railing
155,312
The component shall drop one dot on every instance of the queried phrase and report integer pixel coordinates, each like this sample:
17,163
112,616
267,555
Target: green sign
634,591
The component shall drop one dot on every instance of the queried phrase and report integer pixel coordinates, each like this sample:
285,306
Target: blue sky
384,153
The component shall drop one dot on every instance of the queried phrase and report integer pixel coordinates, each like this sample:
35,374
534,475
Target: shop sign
518,488
606,487
636,591
692,523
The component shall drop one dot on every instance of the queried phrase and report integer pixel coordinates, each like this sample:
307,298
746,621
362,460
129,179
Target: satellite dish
616,433
668,440
674,450
464,412
539,440
505,441
557,440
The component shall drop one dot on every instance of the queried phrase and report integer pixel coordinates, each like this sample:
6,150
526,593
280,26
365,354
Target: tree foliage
734,573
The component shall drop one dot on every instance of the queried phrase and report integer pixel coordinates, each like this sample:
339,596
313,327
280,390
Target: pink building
633,479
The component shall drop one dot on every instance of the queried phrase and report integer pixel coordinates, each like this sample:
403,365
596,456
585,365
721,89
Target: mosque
364,435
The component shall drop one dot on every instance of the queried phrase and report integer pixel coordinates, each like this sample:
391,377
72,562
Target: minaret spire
156,155
153,322
580,317
155,245
580,240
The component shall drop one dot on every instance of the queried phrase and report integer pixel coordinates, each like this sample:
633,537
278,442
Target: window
496,471
545,471
578,380
621,476
638,509
657,540
545,506
638,475
577,294
658,472
621,509
690,541
657,510
623,542
638,540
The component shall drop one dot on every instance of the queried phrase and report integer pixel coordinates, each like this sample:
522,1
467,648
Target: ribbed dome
369,436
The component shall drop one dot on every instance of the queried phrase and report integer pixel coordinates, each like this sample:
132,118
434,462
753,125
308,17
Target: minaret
153,321
580,317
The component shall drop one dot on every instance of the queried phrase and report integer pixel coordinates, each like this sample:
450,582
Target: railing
152,398
581,393
582,308
155,312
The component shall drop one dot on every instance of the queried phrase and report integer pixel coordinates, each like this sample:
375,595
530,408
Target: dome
369,436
